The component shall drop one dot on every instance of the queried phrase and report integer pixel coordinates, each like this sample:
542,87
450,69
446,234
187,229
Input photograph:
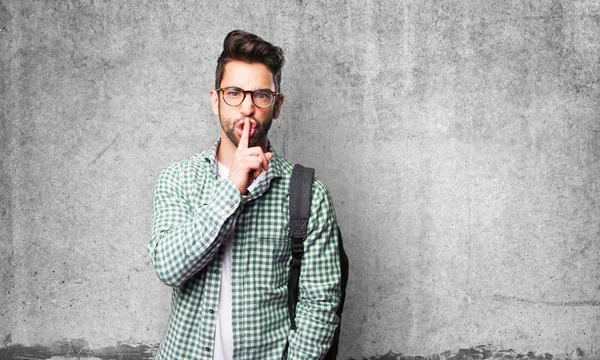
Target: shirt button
207,348
211,311
216,271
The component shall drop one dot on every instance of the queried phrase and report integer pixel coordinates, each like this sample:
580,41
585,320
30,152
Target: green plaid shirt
193,212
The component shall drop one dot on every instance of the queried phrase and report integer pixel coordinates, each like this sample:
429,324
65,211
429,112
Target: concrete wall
459,139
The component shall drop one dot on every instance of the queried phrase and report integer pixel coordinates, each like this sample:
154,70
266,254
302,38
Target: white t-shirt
224,329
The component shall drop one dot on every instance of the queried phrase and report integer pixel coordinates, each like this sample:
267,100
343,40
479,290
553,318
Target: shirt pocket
269,263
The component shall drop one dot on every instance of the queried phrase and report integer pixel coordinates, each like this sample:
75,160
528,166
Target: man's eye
233,93
261,95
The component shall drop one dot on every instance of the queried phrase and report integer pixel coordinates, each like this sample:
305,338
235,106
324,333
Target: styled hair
243,46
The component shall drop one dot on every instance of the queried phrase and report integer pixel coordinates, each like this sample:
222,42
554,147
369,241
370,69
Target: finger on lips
254,159
245,135
256,151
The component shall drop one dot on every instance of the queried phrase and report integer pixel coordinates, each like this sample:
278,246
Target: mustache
258,124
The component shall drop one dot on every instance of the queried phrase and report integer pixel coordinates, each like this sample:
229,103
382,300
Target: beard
260,132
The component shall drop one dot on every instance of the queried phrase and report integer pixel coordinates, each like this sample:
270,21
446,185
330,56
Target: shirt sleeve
185,238
319,287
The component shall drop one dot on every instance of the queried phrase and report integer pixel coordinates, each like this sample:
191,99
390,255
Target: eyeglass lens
235,96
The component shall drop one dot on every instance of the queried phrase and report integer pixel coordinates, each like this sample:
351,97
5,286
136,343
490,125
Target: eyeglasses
262,98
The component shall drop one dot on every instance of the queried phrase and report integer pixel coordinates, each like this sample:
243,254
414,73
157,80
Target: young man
220,232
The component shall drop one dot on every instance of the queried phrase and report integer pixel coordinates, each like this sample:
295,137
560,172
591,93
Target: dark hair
244,46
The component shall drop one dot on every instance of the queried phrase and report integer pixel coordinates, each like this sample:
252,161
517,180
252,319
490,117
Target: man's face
247,77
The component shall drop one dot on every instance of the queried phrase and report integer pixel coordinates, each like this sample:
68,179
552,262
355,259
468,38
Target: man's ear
214,101
277,106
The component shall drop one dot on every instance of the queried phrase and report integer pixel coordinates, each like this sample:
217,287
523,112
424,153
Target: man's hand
247,163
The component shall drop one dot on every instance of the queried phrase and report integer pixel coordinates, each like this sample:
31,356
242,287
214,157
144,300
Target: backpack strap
299,208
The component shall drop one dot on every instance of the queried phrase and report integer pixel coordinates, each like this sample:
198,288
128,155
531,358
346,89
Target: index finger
245,135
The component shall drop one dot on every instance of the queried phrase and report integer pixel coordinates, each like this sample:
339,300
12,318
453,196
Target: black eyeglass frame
274,93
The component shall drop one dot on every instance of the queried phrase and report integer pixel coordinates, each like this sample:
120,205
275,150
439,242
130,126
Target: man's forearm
315,332
185,239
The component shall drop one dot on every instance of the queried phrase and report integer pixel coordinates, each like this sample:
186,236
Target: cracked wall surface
460,141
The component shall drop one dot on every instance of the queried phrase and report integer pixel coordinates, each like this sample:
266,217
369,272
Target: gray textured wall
459,139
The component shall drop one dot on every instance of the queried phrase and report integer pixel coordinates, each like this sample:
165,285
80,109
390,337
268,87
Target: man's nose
247,106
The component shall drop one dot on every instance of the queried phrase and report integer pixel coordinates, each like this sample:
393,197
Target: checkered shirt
192,214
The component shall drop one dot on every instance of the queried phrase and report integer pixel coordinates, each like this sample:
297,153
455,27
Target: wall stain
503,298
78,348
104,150
481,352
7,340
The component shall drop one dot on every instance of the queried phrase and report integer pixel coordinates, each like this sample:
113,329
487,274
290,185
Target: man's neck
226,152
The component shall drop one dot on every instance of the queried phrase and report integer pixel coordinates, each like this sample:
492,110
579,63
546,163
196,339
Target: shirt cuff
225,200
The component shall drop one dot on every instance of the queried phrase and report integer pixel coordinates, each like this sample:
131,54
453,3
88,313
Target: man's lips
240,127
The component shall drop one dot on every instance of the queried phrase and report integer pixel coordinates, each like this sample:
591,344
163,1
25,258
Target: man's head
247,63
249,48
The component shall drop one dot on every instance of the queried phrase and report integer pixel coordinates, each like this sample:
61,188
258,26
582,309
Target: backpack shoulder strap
299,208
300,198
